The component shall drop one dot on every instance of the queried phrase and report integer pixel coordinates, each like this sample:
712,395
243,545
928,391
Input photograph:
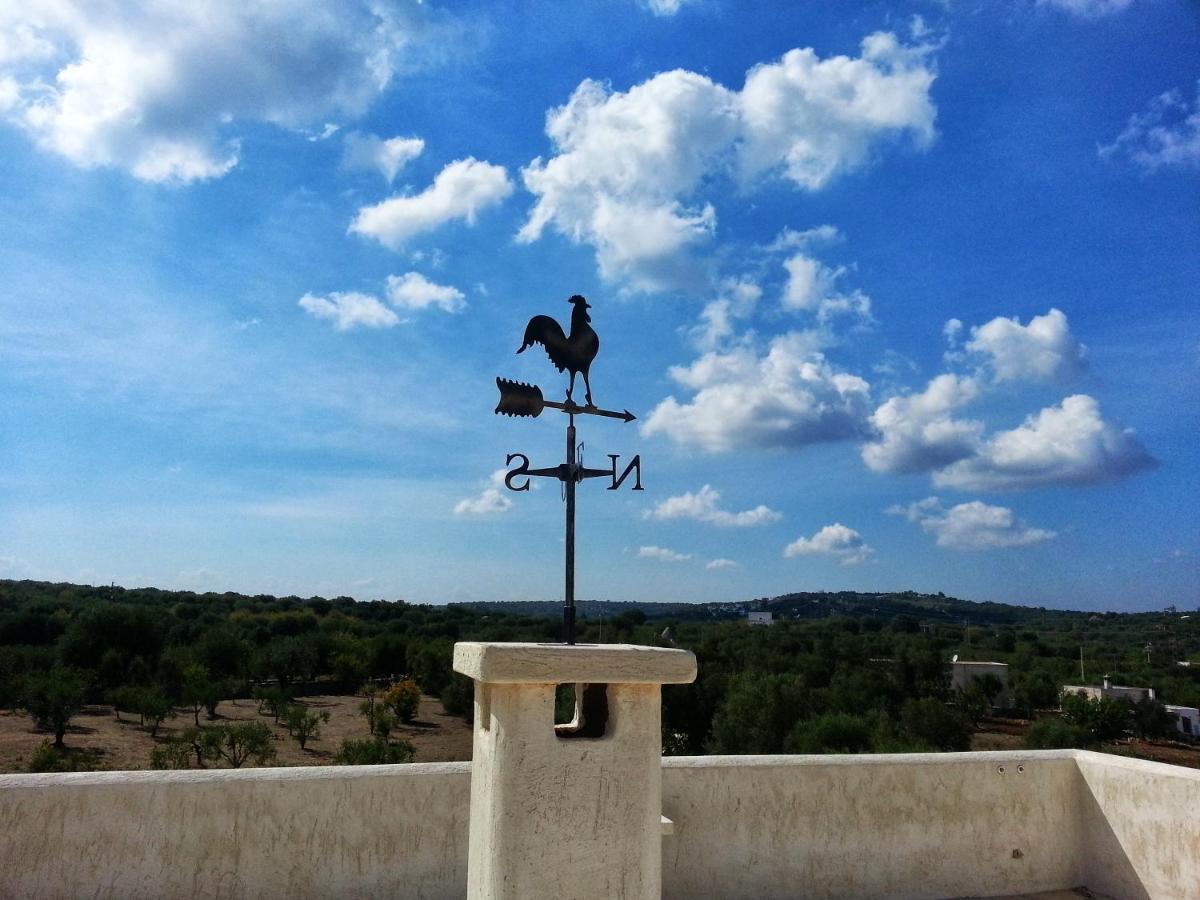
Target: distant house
1109,691
963,673
1186,719
760,618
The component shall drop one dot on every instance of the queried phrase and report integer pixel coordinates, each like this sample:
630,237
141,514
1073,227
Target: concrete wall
1142,822
898,826
889,826
347,832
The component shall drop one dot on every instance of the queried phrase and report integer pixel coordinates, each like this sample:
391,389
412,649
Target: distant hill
808,605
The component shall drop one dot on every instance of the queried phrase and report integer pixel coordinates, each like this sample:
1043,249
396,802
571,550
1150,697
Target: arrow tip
629,417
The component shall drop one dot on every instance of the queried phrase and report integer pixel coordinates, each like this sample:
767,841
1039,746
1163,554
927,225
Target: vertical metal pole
569,587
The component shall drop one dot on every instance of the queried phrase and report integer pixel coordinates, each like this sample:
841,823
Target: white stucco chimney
573,810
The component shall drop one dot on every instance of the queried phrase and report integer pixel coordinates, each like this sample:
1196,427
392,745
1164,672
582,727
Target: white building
760,618
1187,720
963,674
1110,691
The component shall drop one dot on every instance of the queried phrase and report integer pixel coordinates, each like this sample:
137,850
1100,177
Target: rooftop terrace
952,825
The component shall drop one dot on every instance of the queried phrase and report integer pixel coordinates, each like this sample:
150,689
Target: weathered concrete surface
1142,821
903,826
889,826
513,663
347,832
566,816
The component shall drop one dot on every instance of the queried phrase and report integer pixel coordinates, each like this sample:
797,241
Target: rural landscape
104,678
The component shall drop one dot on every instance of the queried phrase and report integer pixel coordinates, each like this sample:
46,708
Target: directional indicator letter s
521,470
635,466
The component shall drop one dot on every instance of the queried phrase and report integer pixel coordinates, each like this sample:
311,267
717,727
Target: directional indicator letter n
635,466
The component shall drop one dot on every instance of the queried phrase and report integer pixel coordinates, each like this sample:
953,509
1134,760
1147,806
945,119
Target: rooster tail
547,332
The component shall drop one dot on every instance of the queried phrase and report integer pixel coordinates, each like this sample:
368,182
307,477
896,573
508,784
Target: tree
831,733
403,698
53,699
237,744
1150,719
373,752
1103,719
304,725
154,706
1033,691
458,699
1056,734
273,701
934,724
379,720
200,691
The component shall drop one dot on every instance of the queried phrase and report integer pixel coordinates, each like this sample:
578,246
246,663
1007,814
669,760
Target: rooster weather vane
569,352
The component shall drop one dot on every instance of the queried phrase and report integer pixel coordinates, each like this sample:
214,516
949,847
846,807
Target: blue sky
903,294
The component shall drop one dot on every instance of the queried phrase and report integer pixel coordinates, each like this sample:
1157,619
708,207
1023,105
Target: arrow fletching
517,399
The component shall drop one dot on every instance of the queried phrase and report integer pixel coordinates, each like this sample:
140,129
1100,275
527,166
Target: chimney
567,809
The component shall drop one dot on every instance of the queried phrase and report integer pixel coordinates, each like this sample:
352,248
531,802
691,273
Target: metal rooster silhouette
572,352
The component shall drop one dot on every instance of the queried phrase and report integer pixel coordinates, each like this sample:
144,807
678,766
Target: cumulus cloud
388,157
459,191
736,299
702,506
665,7
811,287
836,540
1043,350
1088,9
722,563
159,89
489,501
662,554
628,166
413,290
1068,444
349,310
789,397
972,526
917,433
1166,135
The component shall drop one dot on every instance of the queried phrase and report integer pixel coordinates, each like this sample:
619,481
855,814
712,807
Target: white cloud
736,299
662,554
388,157
628,165
349,310
702,507
414,291
1165,135
813,119
972,526
159,89
665,7
489,501
1043,350
789,397
917,432
951,330
1088,9
1068,444
834,540
723,563
459,191
811,287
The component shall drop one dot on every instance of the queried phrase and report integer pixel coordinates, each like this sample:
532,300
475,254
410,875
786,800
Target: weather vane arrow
517,399
570,352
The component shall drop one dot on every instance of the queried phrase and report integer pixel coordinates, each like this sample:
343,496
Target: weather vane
574,353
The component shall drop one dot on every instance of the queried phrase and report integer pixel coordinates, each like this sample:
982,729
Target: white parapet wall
899,826
329,831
